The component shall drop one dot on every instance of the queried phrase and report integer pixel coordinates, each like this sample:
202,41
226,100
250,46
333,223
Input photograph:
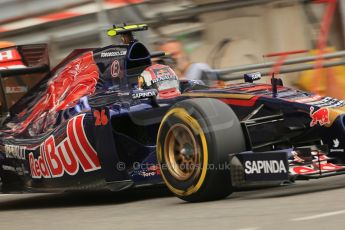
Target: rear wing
287,66
21,68
24,59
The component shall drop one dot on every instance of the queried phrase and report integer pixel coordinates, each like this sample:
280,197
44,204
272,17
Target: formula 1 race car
109,118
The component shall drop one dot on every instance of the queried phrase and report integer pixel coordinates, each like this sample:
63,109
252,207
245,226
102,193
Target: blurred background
216,32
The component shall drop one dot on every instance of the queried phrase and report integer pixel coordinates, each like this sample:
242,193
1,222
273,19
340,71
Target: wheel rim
182,152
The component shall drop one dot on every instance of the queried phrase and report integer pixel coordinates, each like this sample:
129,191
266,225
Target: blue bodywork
104,138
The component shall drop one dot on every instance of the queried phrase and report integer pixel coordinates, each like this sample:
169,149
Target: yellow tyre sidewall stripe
188,119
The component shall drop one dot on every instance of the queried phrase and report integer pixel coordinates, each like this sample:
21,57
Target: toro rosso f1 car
109,118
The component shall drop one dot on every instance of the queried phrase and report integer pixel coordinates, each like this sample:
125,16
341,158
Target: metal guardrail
211,7
236,73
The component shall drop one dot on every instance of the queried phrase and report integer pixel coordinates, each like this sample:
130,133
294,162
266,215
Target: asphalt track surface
318,204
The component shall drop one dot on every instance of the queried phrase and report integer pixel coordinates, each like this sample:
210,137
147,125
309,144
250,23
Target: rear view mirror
251,77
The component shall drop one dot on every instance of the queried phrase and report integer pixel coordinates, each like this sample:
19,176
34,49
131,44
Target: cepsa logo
67,157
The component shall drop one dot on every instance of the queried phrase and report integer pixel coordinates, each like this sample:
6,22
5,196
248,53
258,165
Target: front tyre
194,140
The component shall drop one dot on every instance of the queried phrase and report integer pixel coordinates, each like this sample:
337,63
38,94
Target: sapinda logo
144,94
73,152
265,166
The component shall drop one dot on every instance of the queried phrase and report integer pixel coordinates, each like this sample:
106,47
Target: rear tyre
194,140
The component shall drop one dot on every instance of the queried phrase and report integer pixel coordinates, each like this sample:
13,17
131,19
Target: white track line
322,215
248,229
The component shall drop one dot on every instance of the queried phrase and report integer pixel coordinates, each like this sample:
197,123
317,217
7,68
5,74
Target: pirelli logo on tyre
272,166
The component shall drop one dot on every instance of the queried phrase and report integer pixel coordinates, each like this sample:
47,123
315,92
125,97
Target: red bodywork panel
76,79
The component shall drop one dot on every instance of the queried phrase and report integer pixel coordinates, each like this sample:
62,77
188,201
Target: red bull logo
71,154
320,116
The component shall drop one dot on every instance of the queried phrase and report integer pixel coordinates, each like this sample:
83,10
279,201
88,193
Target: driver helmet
162,78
